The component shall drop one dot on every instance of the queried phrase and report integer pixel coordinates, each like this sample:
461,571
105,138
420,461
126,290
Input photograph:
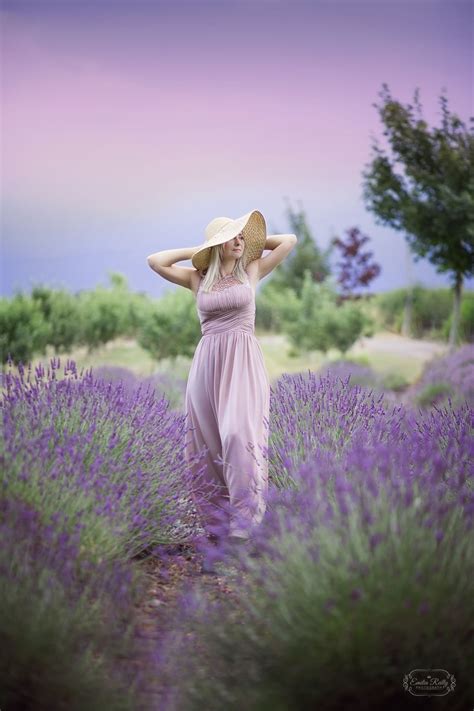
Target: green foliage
107,313
170,327
309,634
137,305
429,310
56,654
275,306
305,256
394,381
466,322
390,305
23,328
102,316
61,312
433,201
320,324
29,323
134,304
433,393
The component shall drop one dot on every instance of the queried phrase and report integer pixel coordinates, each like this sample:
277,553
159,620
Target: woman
228,390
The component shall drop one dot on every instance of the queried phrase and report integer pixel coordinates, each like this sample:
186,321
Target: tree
356,270
170,327
433,201
102,317
118,281
305,255
23,328
61,312
321,324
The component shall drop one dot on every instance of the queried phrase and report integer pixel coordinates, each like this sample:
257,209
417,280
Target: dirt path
168,578
386,342
383,342
385,352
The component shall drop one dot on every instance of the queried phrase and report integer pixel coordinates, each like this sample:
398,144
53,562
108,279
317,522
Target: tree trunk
407,313
408,308
454,332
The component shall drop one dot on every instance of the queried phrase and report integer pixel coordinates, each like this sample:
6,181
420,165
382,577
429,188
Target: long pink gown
227,403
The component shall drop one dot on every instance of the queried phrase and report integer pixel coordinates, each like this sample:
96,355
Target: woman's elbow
152,262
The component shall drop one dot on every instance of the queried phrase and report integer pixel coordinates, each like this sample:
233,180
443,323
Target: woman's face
234,247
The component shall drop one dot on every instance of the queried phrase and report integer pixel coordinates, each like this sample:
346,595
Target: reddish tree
356,268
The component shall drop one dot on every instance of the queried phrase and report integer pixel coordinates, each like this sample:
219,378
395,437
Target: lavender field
360,572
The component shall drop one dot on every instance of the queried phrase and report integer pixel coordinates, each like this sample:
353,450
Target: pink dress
227,403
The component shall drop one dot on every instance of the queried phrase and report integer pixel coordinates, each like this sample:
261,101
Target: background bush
170,327
431,311
321,323
23,328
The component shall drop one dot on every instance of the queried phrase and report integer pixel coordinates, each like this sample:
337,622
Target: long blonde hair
212,273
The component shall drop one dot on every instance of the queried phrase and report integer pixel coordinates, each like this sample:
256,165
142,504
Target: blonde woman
227,398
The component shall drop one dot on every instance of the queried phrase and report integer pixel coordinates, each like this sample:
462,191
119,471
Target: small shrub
433,393
395,382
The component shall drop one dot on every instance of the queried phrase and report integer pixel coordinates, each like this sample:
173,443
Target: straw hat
222,229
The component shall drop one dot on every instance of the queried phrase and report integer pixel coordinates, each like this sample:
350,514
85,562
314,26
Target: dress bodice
230,306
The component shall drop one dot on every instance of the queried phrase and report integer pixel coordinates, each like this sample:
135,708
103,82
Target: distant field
385,352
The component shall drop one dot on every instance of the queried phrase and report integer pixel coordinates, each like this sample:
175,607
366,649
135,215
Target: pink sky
126,127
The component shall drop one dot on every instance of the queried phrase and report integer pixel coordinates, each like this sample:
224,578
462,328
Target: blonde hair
212,273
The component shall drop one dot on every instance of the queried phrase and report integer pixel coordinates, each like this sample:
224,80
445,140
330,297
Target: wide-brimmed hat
223,229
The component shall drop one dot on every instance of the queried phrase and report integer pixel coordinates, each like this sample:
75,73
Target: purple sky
127,126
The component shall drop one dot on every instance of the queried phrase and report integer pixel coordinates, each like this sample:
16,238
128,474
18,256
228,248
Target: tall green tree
305,255
431,197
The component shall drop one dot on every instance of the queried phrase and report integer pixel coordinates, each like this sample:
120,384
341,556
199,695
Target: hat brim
252,224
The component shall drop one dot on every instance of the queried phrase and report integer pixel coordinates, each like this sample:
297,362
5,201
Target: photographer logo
429,682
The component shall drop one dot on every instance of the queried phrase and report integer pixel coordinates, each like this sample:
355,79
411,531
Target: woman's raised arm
163,263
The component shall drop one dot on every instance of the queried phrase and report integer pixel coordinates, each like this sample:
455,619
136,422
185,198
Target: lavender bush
356,373
64,620
93,474
163,384
310,410
358,574
114,461
448,376
352,372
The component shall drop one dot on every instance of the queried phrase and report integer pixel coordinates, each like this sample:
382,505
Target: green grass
121,352
276,350
406,366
